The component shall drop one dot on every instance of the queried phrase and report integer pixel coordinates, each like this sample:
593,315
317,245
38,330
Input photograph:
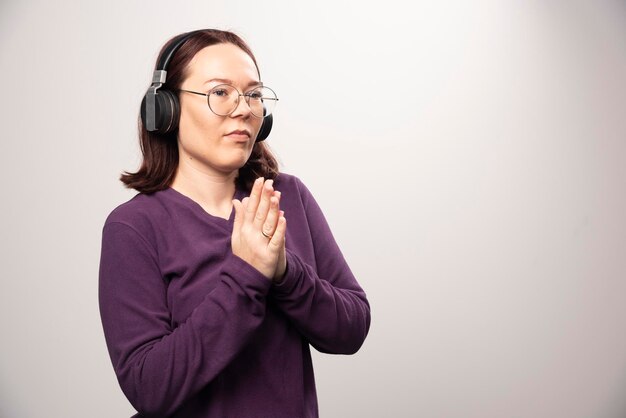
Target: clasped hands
259,230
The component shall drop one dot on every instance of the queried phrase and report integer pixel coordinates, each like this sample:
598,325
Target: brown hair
160,151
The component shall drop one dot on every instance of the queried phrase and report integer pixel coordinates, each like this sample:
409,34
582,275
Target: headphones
160,108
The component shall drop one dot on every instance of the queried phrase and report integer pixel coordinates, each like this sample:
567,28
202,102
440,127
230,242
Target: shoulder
140,213
289,183
294,190
286,180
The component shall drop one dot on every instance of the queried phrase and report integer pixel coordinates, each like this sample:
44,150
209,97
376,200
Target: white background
470,157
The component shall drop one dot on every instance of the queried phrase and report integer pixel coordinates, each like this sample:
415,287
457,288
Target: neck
212,190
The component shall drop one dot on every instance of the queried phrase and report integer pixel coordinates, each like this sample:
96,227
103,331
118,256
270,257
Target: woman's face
205,140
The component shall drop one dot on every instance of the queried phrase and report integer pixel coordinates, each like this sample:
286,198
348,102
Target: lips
239,133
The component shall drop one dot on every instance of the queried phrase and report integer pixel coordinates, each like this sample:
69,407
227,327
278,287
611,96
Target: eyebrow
227,81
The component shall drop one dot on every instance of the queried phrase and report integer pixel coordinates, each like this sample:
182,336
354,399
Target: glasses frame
246,96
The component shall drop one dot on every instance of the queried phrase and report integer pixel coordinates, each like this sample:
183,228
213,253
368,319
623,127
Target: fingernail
259,180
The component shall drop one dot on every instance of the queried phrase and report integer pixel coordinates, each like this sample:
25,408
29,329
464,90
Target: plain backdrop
470,157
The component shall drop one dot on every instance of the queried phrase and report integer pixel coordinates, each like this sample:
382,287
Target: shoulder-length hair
160,151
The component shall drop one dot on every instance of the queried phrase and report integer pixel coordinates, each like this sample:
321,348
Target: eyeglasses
223,99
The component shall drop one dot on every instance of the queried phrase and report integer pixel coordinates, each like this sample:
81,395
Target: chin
235,163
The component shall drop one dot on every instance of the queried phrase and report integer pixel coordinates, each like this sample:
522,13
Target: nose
242,108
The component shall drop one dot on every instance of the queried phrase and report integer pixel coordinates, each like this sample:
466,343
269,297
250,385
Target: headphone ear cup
166,112
266,128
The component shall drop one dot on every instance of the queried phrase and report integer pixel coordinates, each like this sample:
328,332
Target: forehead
225,61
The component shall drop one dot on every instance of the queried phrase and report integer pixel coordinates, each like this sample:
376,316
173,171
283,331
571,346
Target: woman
209,301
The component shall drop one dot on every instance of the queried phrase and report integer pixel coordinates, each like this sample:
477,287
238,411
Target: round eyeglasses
223,99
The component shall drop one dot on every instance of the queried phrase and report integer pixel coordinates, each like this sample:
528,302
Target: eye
255,95
219,92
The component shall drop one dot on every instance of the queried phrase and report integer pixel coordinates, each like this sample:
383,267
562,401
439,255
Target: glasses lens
262,101
223,99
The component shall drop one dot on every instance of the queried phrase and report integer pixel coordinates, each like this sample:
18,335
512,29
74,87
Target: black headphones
160,109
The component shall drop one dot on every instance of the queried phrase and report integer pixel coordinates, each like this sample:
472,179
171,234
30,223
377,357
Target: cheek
196,119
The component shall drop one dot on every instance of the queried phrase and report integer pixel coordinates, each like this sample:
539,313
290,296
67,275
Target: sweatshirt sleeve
324,301
158,366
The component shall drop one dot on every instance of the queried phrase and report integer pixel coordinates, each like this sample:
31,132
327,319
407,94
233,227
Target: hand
254,216
281,268
269,227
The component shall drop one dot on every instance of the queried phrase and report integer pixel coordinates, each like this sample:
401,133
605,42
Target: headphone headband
167,55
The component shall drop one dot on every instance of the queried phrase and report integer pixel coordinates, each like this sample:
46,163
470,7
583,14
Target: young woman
217,276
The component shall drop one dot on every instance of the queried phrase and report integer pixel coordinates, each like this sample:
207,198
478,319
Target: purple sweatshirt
195,331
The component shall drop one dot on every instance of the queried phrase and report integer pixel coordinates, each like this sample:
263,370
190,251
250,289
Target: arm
159,367
324,301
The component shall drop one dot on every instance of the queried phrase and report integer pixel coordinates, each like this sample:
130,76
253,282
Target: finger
278,240
269,226
253,201
264,203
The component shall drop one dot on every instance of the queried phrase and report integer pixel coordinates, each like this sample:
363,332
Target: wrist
279,276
